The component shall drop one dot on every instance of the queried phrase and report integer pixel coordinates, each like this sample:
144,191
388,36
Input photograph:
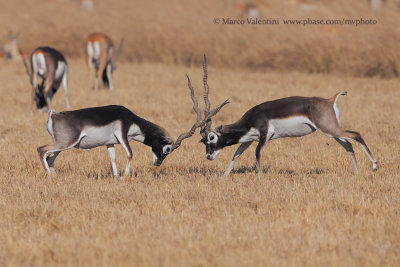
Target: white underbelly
99,136
290,127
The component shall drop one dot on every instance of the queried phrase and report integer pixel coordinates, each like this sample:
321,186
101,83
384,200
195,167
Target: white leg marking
374,161
46,166
238,152
353,160
111,152
128,166
128,154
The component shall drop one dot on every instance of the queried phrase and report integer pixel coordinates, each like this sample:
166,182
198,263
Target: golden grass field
306,208
177,32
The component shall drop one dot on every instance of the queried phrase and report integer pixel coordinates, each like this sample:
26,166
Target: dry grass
178,31
308,209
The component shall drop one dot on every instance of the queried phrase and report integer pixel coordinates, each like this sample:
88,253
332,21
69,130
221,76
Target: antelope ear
218,129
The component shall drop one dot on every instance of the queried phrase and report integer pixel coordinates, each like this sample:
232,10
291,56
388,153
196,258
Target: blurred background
180,32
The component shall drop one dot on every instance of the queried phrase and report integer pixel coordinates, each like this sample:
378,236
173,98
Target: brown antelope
294,116
10,49
250,9
52,67
109,125
99,50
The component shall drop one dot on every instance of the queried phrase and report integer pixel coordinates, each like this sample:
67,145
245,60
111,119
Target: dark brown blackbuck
294,116
109,125
50,65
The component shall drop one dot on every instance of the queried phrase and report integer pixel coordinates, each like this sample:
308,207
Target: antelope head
201,122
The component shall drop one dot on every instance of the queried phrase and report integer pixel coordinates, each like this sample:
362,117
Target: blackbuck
250,9
50,65
99,52
109,125
295,116
10,49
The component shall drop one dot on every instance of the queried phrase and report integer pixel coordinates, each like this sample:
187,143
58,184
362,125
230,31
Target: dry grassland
306,208
177,31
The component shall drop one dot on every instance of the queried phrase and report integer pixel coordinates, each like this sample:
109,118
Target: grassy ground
307,207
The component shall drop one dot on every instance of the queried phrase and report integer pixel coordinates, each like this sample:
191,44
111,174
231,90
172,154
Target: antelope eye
212,137
167,149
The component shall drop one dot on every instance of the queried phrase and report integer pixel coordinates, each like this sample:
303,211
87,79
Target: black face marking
213,143
161,148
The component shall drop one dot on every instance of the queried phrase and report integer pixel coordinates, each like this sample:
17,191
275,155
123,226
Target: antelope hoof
52,172
257,169
120,178
374,166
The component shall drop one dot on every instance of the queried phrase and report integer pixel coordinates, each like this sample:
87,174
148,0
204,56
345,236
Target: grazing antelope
99,50
52,67
250,9
286,117
10,49
109,125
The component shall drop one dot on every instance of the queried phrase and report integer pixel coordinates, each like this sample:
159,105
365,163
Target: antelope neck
232,133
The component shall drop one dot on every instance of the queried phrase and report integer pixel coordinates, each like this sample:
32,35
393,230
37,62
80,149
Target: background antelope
99,50
10,49
107,126
52,67
286,117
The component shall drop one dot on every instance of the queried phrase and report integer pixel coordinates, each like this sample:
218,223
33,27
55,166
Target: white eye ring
167,149
212,138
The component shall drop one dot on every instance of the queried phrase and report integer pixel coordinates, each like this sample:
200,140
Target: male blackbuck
52,67
286,117
99,52
109,125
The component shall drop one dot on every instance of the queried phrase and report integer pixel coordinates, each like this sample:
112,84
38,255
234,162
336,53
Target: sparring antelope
99,50
109,125
294,116
52,67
